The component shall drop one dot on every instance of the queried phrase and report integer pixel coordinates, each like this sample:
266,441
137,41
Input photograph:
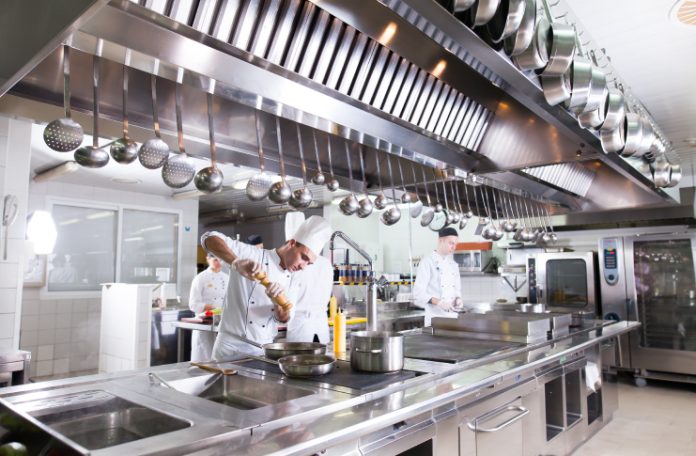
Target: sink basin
97,419
237,391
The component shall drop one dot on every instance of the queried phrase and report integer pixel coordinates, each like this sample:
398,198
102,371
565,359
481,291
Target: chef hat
313,233
293,220
449,231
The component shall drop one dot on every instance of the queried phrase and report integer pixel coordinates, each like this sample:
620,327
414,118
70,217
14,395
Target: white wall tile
7,322
47,306
62,320
47,321
30,323
8,300
47,336
8,275
28,338
64,306
61,350
63,335
61,366
45,352
79,306
7,343
44,368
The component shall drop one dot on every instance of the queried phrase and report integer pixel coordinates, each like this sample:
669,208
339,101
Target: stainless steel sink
97,419
237,391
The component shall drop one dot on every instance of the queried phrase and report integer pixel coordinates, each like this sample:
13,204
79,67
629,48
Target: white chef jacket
310,314
437,277
248,311
208,287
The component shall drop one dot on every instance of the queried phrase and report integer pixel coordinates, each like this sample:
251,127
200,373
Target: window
85,251
98,245
148,246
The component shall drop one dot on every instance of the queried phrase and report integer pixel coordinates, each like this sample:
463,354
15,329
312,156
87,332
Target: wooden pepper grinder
281,299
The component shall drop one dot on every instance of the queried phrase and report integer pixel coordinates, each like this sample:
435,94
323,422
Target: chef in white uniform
310,323
249,312
438,287
208,291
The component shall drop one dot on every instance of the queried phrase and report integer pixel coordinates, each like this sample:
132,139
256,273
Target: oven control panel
610,261
532,281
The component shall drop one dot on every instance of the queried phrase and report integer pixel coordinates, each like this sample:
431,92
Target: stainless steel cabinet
496,425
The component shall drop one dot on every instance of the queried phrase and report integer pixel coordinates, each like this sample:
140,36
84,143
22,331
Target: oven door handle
490,415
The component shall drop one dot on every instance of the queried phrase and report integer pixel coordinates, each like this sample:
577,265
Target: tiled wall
15,150
62,334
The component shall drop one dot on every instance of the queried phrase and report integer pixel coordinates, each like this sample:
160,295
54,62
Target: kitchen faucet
371,280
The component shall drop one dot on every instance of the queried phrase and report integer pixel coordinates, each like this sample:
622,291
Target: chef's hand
458,303
445,305
274,289
247,268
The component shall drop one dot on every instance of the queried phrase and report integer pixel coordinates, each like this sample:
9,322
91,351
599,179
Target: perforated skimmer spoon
178,172
64,135
154,152
260,183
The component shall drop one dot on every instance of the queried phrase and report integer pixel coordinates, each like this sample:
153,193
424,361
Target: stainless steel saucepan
561,46
520,40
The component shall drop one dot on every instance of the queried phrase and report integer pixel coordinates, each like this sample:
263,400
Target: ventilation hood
401,76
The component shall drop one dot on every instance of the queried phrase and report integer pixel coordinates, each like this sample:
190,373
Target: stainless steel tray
508,323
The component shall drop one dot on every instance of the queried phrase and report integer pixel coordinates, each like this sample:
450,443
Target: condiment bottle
339,328
333,307
281,300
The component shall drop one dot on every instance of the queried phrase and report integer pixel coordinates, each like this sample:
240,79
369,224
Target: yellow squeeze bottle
333,307
339,328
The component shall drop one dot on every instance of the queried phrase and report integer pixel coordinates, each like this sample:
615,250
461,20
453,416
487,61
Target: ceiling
649,49
663,86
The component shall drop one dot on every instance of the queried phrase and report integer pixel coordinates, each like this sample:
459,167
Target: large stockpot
376,351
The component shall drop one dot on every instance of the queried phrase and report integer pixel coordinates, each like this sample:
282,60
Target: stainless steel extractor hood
402,77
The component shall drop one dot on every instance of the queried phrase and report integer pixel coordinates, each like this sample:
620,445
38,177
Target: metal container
376,351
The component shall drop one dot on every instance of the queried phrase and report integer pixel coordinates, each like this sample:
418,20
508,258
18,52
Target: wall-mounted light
56,171
42,233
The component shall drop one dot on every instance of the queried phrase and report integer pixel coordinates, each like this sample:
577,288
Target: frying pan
276,350
302,365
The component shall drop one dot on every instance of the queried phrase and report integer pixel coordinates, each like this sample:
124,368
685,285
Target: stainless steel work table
325,417
182,326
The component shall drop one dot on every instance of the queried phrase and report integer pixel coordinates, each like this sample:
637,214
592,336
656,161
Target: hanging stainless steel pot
520,40
536,55
506,20
615,111
561,46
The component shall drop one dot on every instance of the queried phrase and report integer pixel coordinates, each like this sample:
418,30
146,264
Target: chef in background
250,313
208,291
310,323
438,287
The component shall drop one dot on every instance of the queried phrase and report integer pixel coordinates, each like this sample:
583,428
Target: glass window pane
566,283
85,251
149,249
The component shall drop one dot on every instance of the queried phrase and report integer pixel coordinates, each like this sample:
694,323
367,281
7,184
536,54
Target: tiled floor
657,420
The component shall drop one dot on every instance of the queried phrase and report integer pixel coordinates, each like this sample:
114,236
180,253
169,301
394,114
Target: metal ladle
318,178
507,224
154,152
466,215
258,186
366,205
529,234
513,217
393,214
405,196
482,220
280,192
349,205
92,156
457,210
381,200
499,233
64,135
416,205
178,172
210,178
332,183
439,220
428,211
521,231
301,197
489,232
553,235
124,150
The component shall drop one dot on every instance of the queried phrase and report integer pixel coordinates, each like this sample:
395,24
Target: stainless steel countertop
311,423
